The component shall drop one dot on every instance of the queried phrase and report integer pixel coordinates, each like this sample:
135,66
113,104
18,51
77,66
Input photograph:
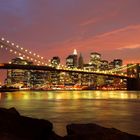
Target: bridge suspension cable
39,60
122,68
22,52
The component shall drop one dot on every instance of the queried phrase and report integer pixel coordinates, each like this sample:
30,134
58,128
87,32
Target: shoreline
14,90
20,127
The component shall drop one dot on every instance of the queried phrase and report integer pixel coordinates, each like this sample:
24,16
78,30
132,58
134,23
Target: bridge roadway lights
48,68
133,84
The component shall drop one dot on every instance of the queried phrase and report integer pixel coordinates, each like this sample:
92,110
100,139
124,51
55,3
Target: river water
119,109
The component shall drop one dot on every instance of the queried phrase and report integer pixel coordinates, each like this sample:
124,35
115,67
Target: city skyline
69,69
111,28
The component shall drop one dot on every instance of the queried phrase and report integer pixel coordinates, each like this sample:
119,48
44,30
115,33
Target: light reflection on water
119,109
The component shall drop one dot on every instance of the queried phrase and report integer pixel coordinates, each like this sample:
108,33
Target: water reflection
119,109
58,95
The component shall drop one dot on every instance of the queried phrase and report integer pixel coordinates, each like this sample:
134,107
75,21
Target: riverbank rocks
13,126
96,132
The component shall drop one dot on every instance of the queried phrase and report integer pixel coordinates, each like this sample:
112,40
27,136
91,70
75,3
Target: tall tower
75,52
95,60
55,61
19,77
94,56
71,60
80,62
75,58
117,63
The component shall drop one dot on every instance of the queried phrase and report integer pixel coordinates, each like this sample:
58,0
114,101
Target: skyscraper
80,62
94,56
104,65
55,61
95,60
25,78
17,77
71,60
117,63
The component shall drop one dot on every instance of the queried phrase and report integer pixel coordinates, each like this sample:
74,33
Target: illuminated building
25,78
117,63
94,56
54,75
19,77
116,82
132,71
38,78
95,60
89,67
55,61
104,65
71,60
111,65
80,62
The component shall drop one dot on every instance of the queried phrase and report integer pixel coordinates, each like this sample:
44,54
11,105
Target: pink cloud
118,31
91,21
133,46
98,19
116,40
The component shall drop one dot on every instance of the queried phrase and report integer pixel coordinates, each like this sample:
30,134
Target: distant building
21,61
18,77
89,67
80,62
71,60
117,63
25,78
94,56
38,78
54,75
133,70
111,65
104,65
55,61
95,60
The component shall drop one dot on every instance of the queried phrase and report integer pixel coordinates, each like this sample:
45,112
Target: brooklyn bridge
130,73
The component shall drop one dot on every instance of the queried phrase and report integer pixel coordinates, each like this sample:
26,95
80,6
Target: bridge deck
48,68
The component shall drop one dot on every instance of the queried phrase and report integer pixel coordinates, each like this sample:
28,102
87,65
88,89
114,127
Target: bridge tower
133,83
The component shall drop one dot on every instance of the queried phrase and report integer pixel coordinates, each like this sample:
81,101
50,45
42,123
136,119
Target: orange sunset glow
54,28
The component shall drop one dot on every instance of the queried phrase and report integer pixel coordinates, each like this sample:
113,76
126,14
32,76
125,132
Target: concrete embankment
14,126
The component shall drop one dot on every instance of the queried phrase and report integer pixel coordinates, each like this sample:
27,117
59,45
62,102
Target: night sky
56,27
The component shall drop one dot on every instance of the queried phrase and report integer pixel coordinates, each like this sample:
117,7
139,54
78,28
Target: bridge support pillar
133,84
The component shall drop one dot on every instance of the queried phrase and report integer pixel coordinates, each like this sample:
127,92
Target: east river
119,109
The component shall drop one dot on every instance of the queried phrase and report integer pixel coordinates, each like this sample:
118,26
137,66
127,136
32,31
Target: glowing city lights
2,39
20,51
